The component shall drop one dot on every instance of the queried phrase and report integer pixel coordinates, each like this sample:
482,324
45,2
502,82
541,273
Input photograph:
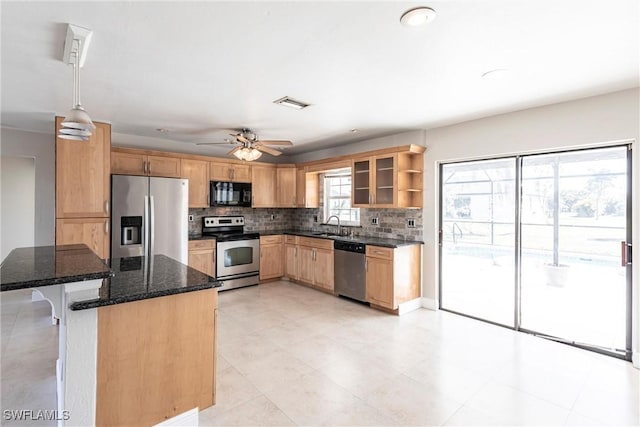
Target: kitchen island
137,350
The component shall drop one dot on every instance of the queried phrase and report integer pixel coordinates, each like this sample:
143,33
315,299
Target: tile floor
289,355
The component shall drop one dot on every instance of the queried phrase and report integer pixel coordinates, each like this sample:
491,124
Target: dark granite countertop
139,278
373,241
202,237
50,265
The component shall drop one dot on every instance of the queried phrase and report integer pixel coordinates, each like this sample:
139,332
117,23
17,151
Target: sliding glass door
478,239
574,216
534,243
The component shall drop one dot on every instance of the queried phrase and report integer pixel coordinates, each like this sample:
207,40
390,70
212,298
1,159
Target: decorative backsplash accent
392,223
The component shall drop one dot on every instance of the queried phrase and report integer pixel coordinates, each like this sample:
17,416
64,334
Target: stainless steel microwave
224,193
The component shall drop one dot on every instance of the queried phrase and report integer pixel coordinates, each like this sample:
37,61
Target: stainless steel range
237,252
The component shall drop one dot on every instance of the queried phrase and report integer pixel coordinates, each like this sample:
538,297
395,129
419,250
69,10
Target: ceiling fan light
248,154
73,137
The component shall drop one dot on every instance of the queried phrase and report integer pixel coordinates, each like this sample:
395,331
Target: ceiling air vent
291,103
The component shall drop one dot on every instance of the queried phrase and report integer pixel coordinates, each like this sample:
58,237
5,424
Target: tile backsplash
392,223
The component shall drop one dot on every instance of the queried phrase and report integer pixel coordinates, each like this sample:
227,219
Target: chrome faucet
336,217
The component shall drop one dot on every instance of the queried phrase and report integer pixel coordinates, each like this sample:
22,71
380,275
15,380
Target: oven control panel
222,221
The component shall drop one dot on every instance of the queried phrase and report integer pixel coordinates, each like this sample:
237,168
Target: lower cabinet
271,259
315,262
393,275
93,232
291,265
202,256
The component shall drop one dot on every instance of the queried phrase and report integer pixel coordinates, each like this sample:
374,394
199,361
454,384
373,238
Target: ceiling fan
248,146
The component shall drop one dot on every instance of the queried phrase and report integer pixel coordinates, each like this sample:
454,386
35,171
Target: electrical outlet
374,221
411,223
190,218
273,217
315,218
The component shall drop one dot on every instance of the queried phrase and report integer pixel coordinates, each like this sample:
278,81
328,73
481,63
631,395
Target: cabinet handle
369,198
106,206
366,264
106,227
294,201
144,166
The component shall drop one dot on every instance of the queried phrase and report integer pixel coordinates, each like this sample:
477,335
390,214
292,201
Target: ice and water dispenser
130,230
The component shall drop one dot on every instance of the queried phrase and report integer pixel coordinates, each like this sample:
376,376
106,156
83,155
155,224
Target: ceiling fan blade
216,143
239,137
267,150
276,142
234,150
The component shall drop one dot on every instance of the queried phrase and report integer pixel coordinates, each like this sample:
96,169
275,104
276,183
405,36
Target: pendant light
77,124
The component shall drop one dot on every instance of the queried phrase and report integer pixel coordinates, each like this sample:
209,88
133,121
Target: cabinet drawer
291,239
380,252
266,240
202,244
315,243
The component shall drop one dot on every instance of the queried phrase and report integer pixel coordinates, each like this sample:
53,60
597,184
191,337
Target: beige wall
581,123
41,147
17,203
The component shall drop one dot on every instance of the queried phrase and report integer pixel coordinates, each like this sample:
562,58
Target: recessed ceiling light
418,16
495,73
354,130
291,103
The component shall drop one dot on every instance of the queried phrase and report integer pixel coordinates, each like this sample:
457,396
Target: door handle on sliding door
625,253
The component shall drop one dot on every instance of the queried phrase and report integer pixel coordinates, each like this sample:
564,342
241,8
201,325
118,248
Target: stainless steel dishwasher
349,269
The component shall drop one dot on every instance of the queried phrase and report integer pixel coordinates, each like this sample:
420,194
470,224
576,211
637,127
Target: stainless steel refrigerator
149,216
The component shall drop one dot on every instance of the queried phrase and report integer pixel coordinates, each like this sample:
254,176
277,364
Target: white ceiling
196,68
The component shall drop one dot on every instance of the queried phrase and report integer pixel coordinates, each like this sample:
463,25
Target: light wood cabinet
132,162
388,180
83,183
307,189
393,275
263,186
286,187
271,257
93,232
202,256
223,171
197,172
315,262
291,267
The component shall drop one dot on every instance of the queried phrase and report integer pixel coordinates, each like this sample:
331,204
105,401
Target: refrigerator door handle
146,228
151,226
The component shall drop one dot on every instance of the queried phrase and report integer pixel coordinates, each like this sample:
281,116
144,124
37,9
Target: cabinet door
197,172
83,178
286,187
93,232
128,164
263,186
324,268
307,186
241,173
380,282
271,261
361,182
306,262
291,261
203,260
385,181
219,171
168,167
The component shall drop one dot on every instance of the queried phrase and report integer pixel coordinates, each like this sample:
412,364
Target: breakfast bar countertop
140,278
39,266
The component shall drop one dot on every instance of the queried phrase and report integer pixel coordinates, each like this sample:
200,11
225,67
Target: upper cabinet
263,186
138,163
307,187
222,171
388,180
197,172
82,174
286,186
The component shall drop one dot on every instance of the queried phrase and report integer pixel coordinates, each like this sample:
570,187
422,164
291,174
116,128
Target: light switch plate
374,221
411,223
190,218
